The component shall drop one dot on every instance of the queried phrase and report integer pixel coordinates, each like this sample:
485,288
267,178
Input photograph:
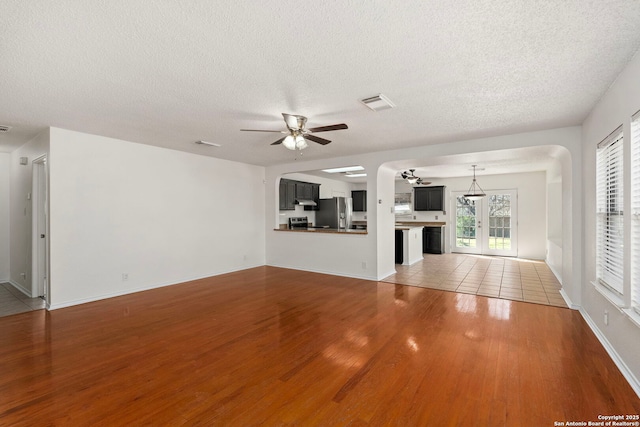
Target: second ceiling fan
297,133
412,179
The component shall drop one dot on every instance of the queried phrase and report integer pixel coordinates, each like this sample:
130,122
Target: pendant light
475,191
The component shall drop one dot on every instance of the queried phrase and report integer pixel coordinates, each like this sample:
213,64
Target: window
402,204
635,211
609,217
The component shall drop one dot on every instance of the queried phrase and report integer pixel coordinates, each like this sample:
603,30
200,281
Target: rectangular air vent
377,103
5,128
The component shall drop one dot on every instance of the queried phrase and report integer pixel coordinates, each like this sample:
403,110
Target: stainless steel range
298,222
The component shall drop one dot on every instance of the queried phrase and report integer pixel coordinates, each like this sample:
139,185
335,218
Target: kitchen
311,203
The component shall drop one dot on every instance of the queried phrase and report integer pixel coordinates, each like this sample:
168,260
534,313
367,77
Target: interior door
487,226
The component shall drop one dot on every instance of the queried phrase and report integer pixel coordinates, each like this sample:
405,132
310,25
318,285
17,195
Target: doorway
40,230
487,226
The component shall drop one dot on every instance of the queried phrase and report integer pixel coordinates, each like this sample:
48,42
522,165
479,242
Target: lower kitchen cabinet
399,247
433,240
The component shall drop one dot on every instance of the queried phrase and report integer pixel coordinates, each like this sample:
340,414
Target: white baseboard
555,273
65,304
624,369
20,288
570,304
387,274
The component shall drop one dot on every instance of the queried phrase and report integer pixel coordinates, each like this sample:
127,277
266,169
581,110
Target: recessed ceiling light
344,169
355,175
377,103
212,144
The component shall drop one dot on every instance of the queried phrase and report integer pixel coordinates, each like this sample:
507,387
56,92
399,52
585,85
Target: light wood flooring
275,347
499,277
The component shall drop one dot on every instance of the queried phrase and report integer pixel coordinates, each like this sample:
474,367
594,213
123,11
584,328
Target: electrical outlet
606,317
364,265
436,217
125,277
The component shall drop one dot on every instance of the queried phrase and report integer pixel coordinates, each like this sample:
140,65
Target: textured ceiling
170,73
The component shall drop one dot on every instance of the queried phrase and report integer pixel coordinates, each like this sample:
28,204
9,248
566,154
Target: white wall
159,215
531,206
20,210
5,161
621,336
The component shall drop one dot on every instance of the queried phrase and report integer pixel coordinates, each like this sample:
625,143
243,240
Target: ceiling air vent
377,103
4,129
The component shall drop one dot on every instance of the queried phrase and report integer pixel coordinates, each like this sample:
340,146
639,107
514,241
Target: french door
487,226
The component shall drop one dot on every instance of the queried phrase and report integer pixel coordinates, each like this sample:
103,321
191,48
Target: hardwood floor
271,346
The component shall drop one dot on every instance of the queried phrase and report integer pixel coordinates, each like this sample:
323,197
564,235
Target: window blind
610,220
635,211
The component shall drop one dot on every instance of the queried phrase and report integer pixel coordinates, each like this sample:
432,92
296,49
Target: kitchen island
408,244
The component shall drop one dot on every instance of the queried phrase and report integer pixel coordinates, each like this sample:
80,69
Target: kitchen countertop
323,230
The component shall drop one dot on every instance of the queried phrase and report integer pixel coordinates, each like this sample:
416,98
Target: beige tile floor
498,277
12,301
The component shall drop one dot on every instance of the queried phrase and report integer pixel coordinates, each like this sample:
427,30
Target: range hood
304,202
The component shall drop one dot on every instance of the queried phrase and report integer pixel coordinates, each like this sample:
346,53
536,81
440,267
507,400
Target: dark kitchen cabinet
291,190
304,190
429,198
287,196
399,247
432,240
315,196
359,198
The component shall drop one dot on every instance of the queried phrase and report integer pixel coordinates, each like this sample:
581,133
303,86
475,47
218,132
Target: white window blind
610,220
635,211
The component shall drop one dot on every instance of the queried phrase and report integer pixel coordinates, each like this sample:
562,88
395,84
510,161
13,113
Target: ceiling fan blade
328,128
278,141
262,130
293,121
317,139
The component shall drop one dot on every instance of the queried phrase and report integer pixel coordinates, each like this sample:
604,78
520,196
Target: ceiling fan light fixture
301,143
412,179
289,142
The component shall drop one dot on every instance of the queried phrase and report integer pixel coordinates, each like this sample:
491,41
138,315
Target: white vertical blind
635,211
610,220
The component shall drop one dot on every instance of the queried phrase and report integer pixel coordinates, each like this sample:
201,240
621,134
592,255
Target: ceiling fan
412,179
297,134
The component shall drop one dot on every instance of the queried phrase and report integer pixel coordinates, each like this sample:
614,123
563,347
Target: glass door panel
467,226
500,214
487,226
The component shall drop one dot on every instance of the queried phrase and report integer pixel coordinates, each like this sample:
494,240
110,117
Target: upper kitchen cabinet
304,191
359,198
287,196
291,190
429,198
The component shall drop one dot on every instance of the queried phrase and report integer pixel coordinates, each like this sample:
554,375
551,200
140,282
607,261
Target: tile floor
498,277
12,301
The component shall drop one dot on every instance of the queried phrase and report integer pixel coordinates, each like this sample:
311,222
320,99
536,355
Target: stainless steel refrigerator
335,213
